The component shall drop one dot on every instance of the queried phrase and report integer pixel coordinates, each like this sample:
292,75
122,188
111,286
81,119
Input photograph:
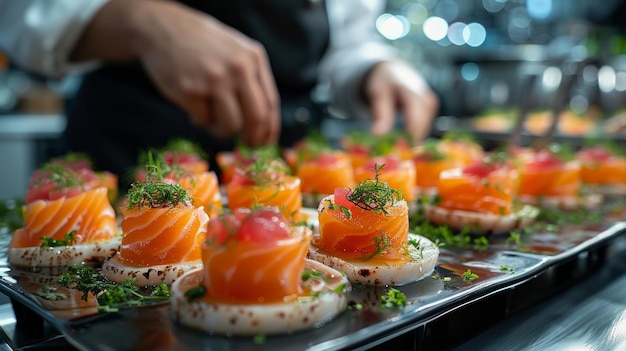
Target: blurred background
483,57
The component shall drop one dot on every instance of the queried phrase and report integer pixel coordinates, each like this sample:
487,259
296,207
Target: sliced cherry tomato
327,159
341,198
359,150
595,153
545,159
222,228
240,178
479,169
56,194
390,163
264,225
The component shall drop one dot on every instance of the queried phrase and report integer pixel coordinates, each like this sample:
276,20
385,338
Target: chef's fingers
382,104
225,114
259,117
268,85
197,108
419,111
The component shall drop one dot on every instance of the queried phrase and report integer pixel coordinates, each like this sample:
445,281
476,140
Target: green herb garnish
374,194
152,194
393,298
506,268
195,293
381,243
111,297
468,276
50,293
68,240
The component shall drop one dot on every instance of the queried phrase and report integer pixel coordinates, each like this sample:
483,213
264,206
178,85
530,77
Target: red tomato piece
265,225
479,169
595,153
327,159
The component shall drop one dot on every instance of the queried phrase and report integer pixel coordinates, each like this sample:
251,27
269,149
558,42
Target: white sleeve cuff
39,35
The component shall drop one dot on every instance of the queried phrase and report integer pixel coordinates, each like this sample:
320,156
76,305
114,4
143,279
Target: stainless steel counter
24,142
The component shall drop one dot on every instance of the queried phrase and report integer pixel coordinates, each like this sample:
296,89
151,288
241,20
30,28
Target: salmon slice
560,180
204,190
323,175
492,193
285,194
611,171
158,236
399,174
427,172
356,236
254,272
89,213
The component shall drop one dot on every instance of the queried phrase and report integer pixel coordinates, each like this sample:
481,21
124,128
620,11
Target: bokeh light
392,27
435,28
470,71
474,34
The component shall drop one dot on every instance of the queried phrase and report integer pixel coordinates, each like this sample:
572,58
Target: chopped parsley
50,293
111,297
69,239
468,276
374,194
153,194
393,298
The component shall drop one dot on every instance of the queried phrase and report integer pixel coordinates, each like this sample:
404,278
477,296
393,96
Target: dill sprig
111,297
68,240
430,152
312,147
374,194
181,146
152,194
266,170
58,174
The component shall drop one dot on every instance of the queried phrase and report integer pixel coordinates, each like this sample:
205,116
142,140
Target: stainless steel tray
443,308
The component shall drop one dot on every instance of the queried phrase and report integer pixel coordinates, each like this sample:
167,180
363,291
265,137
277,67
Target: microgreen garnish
374,194
48,292
180,146
506,268
259,339
429,151
381,243
152,194
60,175
393,298
111,297
416,244
195,293
11,215
68,240
468,276
562,151
345,210
353,305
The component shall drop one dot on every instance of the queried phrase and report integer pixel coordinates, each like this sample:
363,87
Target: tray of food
379,254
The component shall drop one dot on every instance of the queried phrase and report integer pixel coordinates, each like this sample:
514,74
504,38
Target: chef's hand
393,86
218,75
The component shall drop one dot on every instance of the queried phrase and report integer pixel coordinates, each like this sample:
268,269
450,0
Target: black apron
118,112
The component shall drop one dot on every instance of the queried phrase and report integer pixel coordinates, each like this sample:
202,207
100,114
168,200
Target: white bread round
605,189
32,257
116,271
423,264
565,203
481,223
247,319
